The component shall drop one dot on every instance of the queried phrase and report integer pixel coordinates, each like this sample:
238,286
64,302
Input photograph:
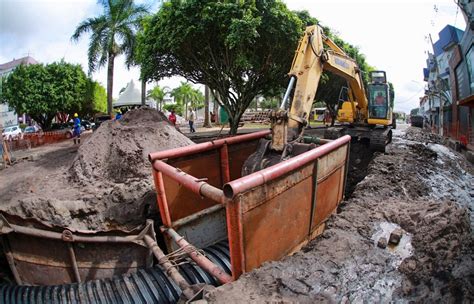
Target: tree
112,34
185,95
95,100
41,91
158,94
239,49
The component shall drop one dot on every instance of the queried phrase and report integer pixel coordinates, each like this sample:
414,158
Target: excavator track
380,138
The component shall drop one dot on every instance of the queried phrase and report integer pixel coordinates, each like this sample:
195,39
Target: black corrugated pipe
145,286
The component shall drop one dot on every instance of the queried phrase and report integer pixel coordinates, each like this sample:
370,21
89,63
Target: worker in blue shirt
77,129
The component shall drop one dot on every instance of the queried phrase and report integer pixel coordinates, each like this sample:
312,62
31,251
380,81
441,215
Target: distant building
462,81
8,117
449,97
437,76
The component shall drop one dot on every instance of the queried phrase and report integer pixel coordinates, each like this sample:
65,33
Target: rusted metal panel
201,229
238,154
273,229
276,217
329,162
42,261
183,202
327,197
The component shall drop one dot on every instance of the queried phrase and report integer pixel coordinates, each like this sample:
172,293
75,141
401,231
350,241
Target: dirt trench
418,185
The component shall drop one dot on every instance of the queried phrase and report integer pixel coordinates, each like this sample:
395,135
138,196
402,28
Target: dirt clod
395,236
382,243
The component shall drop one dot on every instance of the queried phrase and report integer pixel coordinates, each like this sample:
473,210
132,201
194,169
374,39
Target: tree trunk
110,82
234,124
207,118
216,107
143,92
186,109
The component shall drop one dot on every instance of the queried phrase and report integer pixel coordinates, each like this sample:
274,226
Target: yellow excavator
367,118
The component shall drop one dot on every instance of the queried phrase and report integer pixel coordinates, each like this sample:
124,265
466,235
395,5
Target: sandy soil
105,184
418,185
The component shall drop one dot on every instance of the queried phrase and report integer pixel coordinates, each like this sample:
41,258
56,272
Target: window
470,68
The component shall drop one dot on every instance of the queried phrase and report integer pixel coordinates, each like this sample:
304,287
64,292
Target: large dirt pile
104,185
119,149
418,185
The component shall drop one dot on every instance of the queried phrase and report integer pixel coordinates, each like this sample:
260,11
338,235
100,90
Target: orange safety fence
32,140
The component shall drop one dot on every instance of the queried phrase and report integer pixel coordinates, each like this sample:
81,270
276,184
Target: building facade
8,117
461,66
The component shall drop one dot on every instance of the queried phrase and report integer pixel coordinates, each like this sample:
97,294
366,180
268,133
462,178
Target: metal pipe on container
169,268
161,196
190,182
77,238
75,268
259,178
197,257
206,146
224,156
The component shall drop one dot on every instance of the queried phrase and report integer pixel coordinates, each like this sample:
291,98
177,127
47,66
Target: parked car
11,133
31,129
87,124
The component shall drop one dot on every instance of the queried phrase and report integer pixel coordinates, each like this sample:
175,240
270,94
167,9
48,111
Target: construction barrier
32,140
265,215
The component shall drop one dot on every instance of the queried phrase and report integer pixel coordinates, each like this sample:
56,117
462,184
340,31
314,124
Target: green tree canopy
112,34
95,100
239,49
41,91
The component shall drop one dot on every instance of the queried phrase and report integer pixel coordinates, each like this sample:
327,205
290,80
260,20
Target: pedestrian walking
172,118
191,118
77,129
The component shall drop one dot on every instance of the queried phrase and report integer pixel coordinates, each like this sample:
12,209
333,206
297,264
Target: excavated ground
106,184
418,185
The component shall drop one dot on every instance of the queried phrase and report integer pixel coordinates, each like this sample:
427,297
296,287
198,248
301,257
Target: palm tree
112,34
158,94
183,95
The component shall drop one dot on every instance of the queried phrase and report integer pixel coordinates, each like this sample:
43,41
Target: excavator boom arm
310,60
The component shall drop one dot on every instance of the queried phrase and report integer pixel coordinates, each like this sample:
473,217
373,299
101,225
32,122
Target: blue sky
392,35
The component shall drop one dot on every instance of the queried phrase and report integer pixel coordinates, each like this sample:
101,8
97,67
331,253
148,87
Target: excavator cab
380,107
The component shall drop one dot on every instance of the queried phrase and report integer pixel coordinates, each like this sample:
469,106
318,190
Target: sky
393,35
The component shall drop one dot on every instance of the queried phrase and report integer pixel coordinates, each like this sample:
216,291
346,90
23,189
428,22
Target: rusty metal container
265,215
47,257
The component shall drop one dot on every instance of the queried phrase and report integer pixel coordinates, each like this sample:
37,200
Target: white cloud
390,33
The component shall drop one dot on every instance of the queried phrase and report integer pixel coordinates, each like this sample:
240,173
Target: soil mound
119,149
104,185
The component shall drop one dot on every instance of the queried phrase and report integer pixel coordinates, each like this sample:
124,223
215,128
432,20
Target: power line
410,98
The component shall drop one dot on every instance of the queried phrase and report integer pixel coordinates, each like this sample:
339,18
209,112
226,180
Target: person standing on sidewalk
191,118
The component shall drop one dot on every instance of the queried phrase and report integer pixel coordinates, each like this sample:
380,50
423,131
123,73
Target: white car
11,133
